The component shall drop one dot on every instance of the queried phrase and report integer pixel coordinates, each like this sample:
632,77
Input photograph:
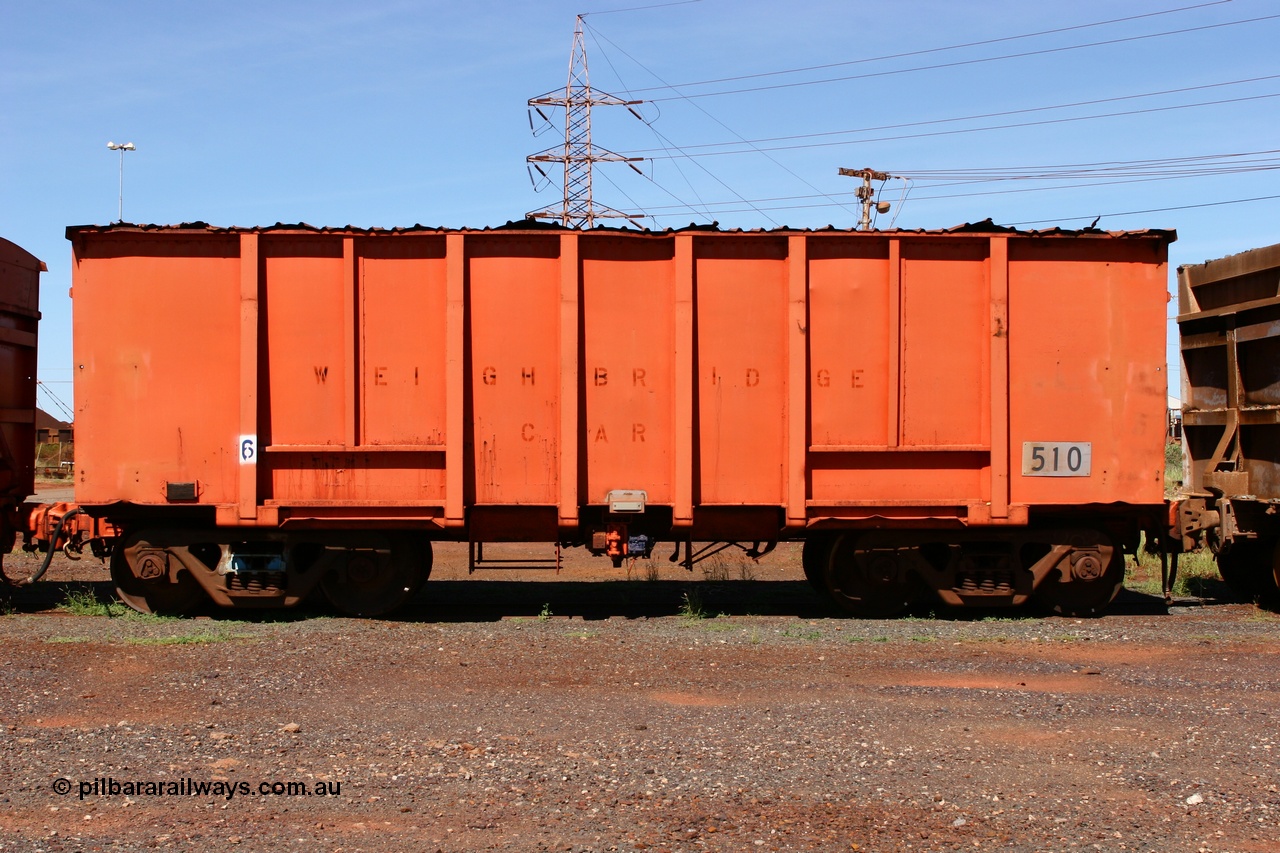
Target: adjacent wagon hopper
1229,327
526,384
19,317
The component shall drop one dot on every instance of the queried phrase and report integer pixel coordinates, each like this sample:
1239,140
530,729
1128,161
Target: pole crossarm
866,195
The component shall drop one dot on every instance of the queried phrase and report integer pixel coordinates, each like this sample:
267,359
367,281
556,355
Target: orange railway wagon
976,413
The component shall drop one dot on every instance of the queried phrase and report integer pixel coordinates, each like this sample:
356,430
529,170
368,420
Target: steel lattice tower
578,154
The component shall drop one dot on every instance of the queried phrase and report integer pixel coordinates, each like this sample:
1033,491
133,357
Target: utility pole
578,155
865,193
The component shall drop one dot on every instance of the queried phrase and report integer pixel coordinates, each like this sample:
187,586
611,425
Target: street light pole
123,147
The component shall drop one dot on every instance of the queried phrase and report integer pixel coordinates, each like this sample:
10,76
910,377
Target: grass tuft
802,634
1172,469
82,601
692,606
1197,575
728,565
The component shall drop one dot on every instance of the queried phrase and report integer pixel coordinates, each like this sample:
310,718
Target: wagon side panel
156,344
1087,382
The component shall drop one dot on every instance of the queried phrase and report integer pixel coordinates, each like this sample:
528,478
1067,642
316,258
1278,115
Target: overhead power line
725,207
974,117
985,128
1105,173
1089,216
1149,210
963,62
651,6
57,401
669,143
1202,164
925,51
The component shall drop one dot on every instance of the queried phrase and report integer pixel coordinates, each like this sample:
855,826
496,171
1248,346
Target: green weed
801,634
715,569
1197,575
931,616
1172,469
692,606
81,601
728,565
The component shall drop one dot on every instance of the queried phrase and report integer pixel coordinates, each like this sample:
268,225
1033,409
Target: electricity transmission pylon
578,155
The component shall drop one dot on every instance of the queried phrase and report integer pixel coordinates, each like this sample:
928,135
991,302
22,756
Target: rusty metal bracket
1168,569
1194,517
706,552
477,560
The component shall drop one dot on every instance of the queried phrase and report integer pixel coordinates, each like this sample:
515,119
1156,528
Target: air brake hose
53,547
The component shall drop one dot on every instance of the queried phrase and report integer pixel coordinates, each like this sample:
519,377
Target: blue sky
397,113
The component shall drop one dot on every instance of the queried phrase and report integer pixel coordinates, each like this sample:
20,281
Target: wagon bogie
880,573
169,571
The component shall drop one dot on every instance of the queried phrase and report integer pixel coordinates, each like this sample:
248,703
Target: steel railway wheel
1092,587
1239,566
813,557
151,581
371,582
1248,567
1269,587
871,584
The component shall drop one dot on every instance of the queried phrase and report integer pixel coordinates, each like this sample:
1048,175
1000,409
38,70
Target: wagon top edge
987,227
12,253
1232,266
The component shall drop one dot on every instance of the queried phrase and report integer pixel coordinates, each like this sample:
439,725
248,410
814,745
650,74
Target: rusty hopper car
1229,327
976,414
19,316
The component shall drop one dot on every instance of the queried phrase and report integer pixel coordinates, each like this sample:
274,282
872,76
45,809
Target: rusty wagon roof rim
986,226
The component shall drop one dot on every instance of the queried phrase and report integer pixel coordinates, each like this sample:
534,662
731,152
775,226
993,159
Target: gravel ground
522,711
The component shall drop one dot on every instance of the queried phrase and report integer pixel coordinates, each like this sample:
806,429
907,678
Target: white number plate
1056,458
